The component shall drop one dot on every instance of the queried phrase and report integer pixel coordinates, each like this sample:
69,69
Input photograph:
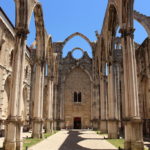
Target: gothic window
77,97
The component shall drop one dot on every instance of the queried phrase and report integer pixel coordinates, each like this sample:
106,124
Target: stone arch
77,34
113,23
76,48
143,20
113,20
24,10
48,46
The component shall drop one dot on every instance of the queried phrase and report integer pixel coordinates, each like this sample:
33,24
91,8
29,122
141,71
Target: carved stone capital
21,32
38,120
127,32
14,120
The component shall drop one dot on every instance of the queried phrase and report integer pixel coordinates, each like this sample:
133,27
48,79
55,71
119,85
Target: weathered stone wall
77,81
7,41
143,68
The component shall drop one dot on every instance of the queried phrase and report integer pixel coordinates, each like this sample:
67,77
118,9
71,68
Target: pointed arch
77,34
80,67
24,10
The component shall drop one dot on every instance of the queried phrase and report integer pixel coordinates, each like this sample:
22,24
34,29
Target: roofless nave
109,92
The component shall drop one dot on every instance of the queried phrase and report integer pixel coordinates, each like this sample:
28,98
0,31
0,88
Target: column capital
39,61
127,32
21,32
36,119
15,120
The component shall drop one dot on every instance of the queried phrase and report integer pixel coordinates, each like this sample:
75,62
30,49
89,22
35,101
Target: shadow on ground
71,143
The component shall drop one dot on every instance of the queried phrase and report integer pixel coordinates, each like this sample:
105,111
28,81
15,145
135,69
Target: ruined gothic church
41,89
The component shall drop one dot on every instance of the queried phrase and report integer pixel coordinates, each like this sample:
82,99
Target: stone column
13,139
112,107
49,103
37,122
62,121
55,107
103,121
133,122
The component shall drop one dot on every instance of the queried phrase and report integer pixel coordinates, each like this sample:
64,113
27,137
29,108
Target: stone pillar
37,122
13,139
55,107
62,117
103,121
133,122
49,103
95,107
112,107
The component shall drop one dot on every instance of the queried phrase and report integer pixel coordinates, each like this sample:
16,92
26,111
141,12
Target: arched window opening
106,69
46,70
32,35
75,97
77,54
79,97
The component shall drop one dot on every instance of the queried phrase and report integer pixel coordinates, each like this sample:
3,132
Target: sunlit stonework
41,89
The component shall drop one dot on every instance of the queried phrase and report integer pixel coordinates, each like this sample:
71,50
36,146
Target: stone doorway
77,123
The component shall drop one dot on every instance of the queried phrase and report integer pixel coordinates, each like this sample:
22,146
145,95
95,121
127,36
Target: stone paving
74,140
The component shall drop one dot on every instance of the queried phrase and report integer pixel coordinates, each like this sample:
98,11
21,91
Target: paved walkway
74,140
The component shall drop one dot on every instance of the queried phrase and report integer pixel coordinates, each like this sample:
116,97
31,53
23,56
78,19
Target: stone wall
77,81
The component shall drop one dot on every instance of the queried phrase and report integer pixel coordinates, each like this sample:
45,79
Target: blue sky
64,17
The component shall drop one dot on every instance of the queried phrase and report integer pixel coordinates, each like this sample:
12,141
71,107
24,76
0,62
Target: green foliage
29,142
117,142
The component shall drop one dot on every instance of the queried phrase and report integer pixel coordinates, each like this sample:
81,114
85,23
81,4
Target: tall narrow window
75,97
79,97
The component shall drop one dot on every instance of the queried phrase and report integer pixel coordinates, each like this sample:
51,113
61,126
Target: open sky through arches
65,17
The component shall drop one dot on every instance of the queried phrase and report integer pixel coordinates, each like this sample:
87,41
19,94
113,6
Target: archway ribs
108,84
143,20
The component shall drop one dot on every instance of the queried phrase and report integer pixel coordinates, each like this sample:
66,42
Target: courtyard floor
74,140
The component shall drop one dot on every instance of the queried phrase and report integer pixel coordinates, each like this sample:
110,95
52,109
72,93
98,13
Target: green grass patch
117,142
30,141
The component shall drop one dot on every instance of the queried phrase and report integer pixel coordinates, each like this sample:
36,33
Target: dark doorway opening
77,123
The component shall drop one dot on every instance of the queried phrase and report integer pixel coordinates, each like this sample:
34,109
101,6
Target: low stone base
37,130
103,126
133,135
113,129
62,125
134,145
19,145
10,146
